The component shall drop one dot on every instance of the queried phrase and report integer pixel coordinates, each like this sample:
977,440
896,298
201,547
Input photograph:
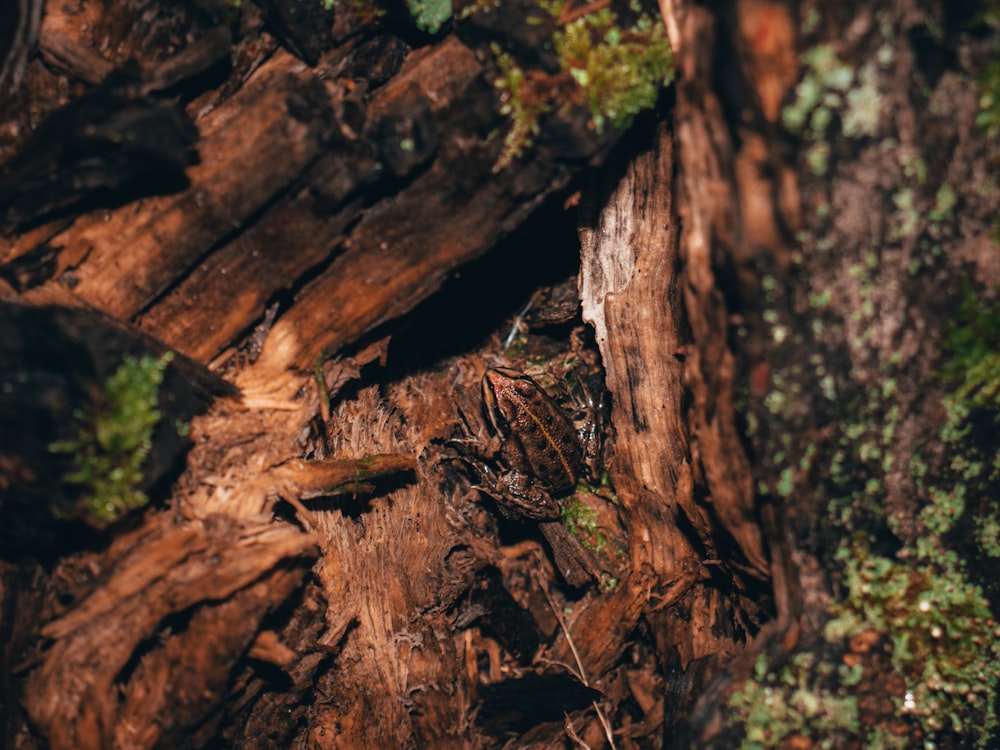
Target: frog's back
546,437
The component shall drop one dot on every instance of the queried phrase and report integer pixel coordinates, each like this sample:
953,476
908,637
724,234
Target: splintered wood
321,569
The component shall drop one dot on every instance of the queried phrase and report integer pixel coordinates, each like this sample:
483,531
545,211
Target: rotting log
305,208
329,202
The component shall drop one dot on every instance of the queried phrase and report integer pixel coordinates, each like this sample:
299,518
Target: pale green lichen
113,438
864,105
831,87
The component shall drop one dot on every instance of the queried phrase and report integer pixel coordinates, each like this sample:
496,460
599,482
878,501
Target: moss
613,70
988,118
798,700
972,365
988,534
915,570
521,104
619,70
922,604
942,643
973,348
113,437
581,520
430,15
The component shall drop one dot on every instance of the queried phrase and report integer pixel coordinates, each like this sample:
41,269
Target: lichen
113,437
831,88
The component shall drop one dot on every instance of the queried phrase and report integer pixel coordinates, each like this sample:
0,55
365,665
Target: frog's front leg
517,492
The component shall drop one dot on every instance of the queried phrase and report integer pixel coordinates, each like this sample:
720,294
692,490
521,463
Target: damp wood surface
313,212
302,229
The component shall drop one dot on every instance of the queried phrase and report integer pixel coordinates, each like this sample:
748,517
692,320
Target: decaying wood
301,195
150,576
306,229
56,360
322,571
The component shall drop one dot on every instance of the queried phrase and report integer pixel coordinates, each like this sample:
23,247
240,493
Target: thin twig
571,733
515,329
582,674
568,16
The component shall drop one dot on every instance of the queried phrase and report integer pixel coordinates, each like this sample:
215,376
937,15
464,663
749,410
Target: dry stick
568,16
571,733
515,329
581,673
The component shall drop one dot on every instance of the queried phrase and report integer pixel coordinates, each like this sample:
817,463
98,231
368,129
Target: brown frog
540,450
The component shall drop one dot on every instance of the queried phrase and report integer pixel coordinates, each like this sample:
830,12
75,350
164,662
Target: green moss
614,71
972,364
941,637
988,534
943,644
620,71
430,15
929,612
988,118
973,346
607,583
113,437
581,520
521,104
797,700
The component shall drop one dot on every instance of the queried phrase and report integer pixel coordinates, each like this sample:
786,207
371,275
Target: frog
536,444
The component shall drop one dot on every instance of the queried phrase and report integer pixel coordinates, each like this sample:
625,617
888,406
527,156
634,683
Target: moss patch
113,437
611,66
